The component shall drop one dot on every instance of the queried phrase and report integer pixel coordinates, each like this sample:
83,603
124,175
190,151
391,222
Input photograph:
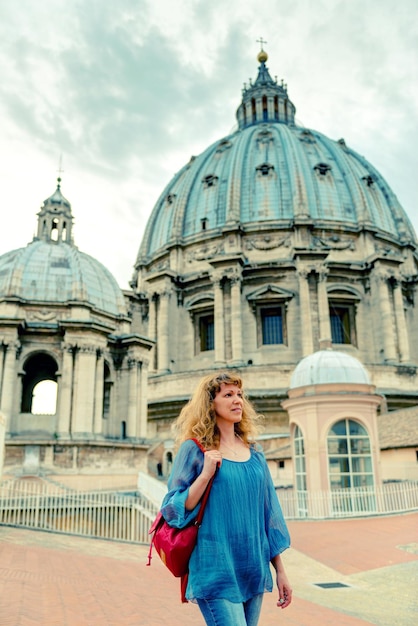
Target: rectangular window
272,325
342,323
206,325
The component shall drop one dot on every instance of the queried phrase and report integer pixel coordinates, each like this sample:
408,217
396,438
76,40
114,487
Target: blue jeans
225,613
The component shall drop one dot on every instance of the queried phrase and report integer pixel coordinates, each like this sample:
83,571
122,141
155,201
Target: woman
243,529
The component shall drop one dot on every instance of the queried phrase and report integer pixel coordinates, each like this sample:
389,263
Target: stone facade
270,244
63,319
272,241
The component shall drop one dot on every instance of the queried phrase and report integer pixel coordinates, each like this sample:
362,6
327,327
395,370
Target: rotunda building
272,241
64,325
332,408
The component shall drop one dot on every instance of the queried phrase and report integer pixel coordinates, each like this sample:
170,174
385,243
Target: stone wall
46,458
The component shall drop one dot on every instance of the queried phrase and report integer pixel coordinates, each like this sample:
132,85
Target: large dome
274,242
329,366
272,172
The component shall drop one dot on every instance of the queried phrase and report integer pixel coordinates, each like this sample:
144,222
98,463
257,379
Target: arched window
276,108
168,462
349,456
254,110
107,390
300,472
39,385
265,109
54,229
44,398
350,469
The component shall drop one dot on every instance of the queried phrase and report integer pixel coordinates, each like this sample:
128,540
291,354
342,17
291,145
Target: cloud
128,91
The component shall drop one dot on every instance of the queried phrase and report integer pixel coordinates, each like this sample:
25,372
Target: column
270,106
403,343
133,398
65,391
98,396
386,319
143,398
305,313
9,381
152,327
84,390
219,322
3,350
236,321
162,333
323,307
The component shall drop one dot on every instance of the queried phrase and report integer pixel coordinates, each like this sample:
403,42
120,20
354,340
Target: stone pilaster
65,391
219,321
305,313
162,332
152,328
236,320
401,329
323,306
98,396
8,380
133,393
386,318
84,389
142,377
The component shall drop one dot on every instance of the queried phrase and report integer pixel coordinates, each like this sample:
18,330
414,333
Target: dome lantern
265,100
55,220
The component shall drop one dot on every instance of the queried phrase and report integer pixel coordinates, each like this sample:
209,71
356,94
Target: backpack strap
198,521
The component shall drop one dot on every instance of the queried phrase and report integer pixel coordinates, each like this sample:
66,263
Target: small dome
57,199
329,366
57,272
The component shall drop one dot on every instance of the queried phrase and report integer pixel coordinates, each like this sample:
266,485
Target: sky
115,97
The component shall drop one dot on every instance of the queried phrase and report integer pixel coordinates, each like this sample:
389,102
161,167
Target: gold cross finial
261,41
60,170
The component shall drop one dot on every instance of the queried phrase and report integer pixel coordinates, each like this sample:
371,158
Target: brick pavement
57,580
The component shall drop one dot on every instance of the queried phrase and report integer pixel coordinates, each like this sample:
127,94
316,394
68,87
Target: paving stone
50,579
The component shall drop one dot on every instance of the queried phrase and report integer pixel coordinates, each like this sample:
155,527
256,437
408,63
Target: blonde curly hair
197,417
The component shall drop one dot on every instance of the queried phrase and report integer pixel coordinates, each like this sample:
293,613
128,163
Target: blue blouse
242,530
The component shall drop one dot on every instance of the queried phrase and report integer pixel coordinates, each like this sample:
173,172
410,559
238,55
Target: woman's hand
285,592
283,585
213,459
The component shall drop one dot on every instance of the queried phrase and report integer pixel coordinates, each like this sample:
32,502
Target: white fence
125,517
107,515
355,502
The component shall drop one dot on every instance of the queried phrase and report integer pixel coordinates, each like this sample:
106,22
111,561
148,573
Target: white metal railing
123,517
88,513
399,497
